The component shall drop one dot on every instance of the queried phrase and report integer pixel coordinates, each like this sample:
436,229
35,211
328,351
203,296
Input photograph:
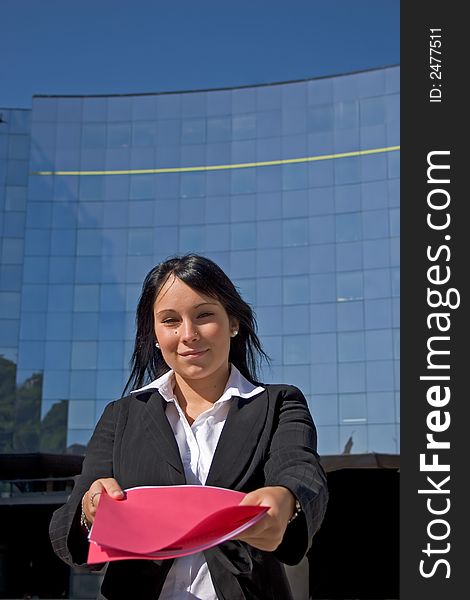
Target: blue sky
136,46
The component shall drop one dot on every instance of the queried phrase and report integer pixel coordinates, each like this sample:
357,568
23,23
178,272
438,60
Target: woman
204,419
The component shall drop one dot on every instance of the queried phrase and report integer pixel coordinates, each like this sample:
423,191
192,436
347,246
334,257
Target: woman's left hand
267,534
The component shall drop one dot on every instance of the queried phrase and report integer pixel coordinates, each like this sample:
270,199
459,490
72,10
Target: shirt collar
237,385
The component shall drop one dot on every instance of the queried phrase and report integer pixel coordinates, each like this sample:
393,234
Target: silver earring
157,345
234,332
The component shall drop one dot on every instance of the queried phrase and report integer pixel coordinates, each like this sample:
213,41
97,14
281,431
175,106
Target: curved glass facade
293,189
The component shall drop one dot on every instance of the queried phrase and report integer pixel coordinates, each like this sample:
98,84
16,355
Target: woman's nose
188,331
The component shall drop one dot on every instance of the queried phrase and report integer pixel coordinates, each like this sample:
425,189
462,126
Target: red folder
167,522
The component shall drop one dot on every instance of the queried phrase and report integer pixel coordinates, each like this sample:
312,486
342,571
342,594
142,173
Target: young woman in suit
203,419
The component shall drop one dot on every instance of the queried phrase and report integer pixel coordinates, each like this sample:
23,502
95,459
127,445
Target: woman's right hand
91,498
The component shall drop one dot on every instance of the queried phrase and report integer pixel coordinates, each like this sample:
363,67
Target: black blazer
268,439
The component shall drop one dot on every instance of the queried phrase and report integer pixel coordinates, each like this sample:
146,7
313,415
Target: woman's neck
200,392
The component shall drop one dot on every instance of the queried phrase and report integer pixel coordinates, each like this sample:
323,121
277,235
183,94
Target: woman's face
193,331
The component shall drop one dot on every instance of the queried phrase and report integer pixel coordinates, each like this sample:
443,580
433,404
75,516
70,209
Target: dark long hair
205,276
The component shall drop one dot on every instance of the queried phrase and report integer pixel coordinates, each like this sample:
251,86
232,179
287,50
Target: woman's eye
169,321
206,314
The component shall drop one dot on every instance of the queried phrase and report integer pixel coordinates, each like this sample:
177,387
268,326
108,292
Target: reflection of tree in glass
7,403
28,414
54,428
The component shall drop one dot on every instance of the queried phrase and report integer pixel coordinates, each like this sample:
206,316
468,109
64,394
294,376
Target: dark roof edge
236,87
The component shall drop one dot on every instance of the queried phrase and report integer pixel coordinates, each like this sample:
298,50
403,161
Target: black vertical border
425,127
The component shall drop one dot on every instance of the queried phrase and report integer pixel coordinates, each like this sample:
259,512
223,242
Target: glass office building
292,188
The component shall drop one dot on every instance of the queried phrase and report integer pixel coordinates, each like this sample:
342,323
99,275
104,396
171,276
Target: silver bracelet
297,511
84,520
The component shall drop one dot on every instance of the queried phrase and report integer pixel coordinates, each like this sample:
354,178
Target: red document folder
167,522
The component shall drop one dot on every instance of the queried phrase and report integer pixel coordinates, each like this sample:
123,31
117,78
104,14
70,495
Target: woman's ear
234,327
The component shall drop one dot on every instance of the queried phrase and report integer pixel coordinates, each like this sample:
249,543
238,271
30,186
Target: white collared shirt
189,576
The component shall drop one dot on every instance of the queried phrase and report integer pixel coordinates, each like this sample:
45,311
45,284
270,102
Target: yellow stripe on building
264,163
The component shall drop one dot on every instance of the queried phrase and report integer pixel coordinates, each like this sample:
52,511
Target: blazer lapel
240,436
160,432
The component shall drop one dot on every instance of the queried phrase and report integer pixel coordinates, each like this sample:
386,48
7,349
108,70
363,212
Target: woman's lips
192,354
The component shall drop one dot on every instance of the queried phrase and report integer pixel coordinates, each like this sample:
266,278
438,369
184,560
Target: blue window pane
81,414
382,438
12,251
394,222
86,298
350,316
111,325
30,354
320,174
352,377
295,232
89,242
55,386
375,224
91,188
83,384
60,298
269,319
395,282
351,346
324,409
193,184
295,319
35,269
191,239
243,207
377,283
219,129
294,176
94,109
270,262
378,314
244,127
87,270
322,229
347,170
323,287
141,242
379,344
193,131
374,167
298,375
324,379
381,407
376,253
374,195
296,349
119,135
321,201
268,234
348,227
142,187
349,256
39,214
243,181
109,384
34,298
353,438
372,111
243,263
269,290
85,326
323,348
295,204
94,135
352,408
59,326
323,317
112,298
380,376
84,355
320,118
347,198
296,290
350,285
11,277
243,235
268,206
110,355
143,133
32,327
57,355
9,331
322,258
295,261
